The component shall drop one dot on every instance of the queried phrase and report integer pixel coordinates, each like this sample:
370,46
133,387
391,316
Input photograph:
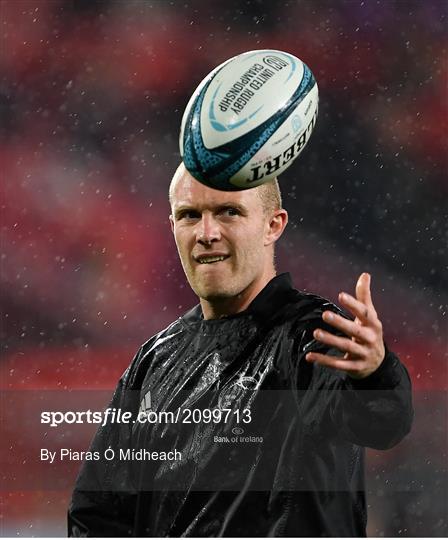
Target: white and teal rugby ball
248,120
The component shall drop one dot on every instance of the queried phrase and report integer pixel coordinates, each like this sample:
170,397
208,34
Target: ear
275,226
172,223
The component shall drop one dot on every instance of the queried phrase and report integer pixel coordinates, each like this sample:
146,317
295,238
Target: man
278,393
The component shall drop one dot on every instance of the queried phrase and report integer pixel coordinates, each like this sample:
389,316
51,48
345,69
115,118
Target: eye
230,211
188,214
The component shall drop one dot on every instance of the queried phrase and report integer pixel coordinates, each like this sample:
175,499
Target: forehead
187,191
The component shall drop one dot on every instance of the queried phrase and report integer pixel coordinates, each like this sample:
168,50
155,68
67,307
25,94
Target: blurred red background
92,95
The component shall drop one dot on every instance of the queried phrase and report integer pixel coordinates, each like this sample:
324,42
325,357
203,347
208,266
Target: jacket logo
145,404
243,387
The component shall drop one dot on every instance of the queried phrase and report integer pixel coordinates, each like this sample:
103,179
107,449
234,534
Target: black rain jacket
295,469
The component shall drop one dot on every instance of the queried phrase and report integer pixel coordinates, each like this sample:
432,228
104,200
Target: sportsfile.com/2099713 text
116,416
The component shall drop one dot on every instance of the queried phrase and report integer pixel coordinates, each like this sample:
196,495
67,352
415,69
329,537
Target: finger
344,344
360,310
351,366
362,334
363,289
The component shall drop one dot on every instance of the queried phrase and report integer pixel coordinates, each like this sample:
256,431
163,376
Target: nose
208,229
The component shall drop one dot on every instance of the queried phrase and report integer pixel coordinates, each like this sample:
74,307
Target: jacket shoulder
307,307
132,377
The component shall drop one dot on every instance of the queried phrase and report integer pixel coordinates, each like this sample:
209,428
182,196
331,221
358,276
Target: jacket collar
264,307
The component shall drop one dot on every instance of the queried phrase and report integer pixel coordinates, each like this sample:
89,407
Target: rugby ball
248,120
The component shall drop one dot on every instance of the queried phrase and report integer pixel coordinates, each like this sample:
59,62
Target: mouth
210,259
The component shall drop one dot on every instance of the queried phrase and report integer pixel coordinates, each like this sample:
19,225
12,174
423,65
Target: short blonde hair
270,195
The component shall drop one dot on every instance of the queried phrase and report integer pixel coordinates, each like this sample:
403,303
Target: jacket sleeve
103,500
375,411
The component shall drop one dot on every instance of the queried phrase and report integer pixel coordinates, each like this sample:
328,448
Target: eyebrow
227,204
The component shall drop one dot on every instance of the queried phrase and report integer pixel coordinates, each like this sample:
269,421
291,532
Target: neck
217,308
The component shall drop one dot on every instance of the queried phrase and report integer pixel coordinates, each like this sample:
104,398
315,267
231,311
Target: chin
213,291
213,294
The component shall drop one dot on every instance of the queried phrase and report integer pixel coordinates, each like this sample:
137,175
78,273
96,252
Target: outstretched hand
364,346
